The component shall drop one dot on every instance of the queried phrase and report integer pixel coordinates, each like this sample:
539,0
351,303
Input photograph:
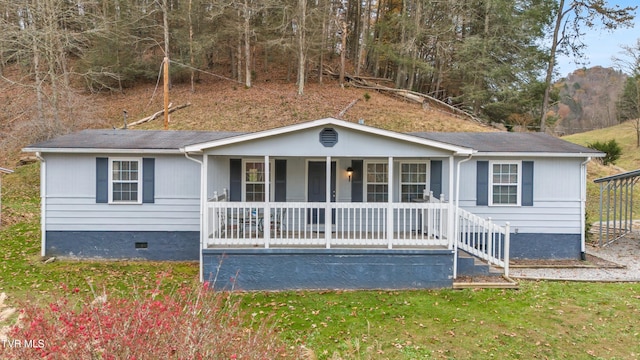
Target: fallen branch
344,111
415,96
156,115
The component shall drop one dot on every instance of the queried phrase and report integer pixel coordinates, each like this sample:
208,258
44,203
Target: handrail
484,239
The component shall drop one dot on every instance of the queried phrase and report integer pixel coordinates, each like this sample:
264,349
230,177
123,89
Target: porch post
204,202
390,191
453,212
327,212
204,211
266,218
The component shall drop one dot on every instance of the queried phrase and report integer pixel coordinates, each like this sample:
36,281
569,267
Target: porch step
469,265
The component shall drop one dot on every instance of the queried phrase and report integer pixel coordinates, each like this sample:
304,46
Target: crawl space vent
328,137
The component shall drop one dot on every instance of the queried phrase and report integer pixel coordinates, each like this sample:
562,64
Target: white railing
293,224
483,239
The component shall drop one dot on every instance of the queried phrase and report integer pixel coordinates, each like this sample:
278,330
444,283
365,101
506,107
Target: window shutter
435,180
482,183
280,190
148,180
527,183
235,181
357,185
102,180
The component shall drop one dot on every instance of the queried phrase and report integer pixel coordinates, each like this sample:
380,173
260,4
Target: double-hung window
377,182
254,184
413,181
125,182
504,187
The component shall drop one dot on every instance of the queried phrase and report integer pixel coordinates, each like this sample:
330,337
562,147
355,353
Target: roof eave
101,151
540,154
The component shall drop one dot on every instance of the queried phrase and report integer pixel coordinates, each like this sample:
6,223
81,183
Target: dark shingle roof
131,139
489,142
501,142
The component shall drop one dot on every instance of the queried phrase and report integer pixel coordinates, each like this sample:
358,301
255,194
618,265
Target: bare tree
629,62
571,16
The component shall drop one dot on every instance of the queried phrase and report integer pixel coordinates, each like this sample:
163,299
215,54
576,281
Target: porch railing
303,224
327,224
483,239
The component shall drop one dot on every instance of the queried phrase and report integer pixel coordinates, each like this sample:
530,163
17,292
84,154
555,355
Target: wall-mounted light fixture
349,172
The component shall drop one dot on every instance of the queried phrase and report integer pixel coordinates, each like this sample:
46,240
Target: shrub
188,324
610,148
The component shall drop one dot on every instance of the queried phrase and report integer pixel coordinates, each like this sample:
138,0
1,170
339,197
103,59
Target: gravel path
624,252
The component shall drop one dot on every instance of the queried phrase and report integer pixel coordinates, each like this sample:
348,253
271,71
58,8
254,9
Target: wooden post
166,92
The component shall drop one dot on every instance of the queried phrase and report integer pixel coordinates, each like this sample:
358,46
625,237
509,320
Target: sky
603,45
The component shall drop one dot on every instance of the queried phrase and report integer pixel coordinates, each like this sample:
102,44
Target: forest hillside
218,104
588,100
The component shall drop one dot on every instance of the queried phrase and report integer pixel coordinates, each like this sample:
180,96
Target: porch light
349,172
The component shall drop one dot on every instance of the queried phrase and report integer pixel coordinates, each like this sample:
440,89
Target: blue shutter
235,180
280,186
102,180
527,183
482,183
435,180
357,185
148,180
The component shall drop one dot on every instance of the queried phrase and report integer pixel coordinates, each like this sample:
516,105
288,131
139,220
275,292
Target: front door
317,189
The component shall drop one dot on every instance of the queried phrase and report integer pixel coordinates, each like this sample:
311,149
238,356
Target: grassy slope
624,134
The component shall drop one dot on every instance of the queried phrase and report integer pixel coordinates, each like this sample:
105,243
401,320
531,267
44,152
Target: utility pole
166,92
165,19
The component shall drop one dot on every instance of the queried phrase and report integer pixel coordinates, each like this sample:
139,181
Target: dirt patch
5,313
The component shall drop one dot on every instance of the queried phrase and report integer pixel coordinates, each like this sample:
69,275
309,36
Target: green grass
625,136
542,319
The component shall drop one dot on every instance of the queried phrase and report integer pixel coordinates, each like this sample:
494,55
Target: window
505,183
125,185
377,182
413,181
254,181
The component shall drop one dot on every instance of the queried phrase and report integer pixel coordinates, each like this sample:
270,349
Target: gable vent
328,137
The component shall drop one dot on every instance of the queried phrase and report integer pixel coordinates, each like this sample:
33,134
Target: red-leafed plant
190,323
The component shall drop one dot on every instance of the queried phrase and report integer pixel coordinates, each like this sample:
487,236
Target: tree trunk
550,66
247,44
302,8
343,51
191,60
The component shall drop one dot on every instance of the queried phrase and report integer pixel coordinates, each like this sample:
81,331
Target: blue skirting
545,246
147,245
282,269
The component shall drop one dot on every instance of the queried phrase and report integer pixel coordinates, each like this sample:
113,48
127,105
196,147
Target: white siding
71,204
306,143
556,198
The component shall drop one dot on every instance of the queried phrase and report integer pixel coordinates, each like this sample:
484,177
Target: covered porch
334,199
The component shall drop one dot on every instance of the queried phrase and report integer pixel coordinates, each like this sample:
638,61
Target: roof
6,171
159,141
621,176
110,140
510,142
